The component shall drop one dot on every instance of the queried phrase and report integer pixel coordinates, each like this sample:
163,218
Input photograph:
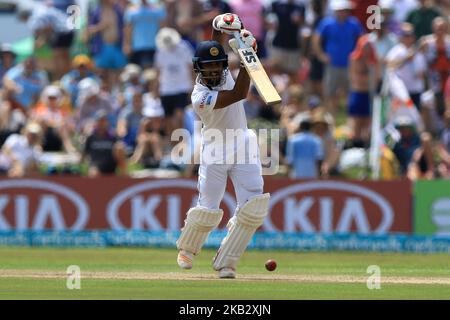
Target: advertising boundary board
261,240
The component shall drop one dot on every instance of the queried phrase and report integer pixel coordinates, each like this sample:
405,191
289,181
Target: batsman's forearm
242,83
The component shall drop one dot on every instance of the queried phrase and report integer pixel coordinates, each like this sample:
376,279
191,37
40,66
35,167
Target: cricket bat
257,73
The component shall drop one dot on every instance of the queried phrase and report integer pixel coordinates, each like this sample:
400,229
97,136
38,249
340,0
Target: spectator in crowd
323,127
436,48
20,153
7,60
409,65
413,150
334,40
252,12
150,139
103,151
389,20
129,122
82,67
443,148
142,23
402,8
383,41
295,107
304,152
56,123
130,80
364,76
105,32
90,101
174,64
11,120
422,18
285,51
316,66
24,83
253,104
447,94
186,17
49,27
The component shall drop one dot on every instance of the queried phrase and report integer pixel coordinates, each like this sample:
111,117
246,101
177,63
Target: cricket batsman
217,99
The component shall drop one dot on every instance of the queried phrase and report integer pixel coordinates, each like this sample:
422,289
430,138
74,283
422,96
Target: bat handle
237,36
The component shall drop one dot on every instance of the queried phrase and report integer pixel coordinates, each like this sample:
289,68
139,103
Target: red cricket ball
271,265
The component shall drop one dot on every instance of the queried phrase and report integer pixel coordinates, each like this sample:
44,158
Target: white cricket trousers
246,178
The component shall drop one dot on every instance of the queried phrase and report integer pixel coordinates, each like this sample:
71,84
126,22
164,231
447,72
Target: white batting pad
197,226
240,231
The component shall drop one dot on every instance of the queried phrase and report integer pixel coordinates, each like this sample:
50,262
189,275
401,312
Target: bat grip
237,36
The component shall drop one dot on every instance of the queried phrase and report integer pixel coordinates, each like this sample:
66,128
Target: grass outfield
137,273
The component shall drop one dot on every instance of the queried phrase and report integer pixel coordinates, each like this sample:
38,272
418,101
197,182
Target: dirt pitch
187,276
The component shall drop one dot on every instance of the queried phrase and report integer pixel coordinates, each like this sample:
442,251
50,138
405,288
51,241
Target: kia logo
49,206
143,209
356,206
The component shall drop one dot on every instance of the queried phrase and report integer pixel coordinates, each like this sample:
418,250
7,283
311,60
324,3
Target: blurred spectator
103,150
20,153
383,41
364,75
7,60
422,18
443,148
150,139
174,64
252,12
317,67
56,123
90,101
295,107
304,152
130,79
323,127
11,120
186,17
82,67
389,20
335,39
413,151
142,23
49,27
409,65
105,31
253,104
447,94
129,122
436,48
402,8
24,83
285,50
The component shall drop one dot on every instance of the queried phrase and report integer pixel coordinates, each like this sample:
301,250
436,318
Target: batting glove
228,23
248,40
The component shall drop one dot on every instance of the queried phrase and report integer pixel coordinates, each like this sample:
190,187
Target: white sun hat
337,5
167,38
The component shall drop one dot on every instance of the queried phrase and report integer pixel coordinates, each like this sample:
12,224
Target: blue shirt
303,151
70,83
339,38
145,22
31,85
